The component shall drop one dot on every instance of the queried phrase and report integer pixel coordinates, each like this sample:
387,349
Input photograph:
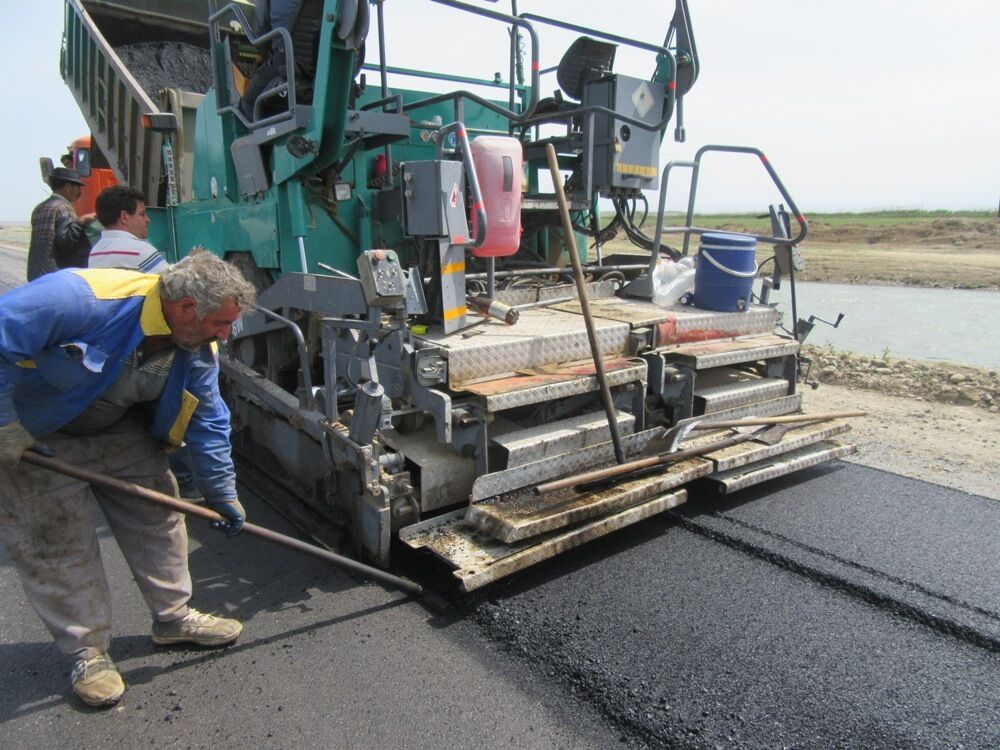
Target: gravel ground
930,421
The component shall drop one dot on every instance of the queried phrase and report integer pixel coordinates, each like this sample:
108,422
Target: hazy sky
859,105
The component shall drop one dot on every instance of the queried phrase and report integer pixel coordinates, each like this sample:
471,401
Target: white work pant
47,524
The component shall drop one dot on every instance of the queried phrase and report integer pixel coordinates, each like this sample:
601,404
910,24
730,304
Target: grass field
923,248
867,218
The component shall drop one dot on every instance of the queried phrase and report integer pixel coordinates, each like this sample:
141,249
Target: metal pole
302,254
581,290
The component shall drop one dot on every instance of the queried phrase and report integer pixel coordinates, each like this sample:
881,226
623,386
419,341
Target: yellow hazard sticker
638,170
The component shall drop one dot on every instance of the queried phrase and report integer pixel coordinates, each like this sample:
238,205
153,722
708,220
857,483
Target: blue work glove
232,512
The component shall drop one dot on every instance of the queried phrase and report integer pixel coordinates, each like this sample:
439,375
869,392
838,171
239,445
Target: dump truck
90,164
450,350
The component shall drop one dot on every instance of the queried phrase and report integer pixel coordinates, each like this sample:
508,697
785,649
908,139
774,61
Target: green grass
870,218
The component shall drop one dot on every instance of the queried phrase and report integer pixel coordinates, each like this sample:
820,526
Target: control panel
381,277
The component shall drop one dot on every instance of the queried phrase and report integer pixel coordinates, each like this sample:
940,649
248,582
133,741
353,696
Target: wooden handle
639,464
168,501
787,419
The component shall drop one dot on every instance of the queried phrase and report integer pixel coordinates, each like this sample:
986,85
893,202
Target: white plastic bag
671,281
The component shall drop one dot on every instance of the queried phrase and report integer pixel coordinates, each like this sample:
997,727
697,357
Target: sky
859,105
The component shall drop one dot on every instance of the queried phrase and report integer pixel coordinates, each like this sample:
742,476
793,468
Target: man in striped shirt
122,211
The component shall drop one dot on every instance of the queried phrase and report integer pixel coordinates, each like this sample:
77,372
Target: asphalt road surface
841,608
13,263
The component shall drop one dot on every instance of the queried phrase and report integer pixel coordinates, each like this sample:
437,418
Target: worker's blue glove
232,512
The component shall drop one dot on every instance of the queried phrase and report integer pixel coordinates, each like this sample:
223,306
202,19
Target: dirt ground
943,252
954,446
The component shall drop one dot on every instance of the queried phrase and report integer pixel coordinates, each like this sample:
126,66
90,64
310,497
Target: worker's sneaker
197,628
96,681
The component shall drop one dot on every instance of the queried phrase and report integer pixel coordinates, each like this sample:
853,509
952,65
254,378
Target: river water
954,325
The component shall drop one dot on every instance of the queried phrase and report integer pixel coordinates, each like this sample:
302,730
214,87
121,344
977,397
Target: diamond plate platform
720,353
755,473
731,395
541,337
574,462
751,452
554,383
680,324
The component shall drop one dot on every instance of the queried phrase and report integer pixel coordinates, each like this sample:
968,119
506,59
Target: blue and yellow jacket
64,339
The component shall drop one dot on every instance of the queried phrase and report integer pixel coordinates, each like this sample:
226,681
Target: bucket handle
730,271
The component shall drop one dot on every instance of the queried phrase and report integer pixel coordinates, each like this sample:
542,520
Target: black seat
585,60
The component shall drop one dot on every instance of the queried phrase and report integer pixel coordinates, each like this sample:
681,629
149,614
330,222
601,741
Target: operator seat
303,19
586,59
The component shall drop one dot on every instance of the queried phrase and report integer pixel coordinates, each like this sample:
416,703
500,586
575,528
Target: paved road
13,263
845,607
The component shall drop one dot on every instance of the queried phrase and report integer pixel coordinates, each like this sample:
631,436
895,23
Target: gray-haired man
109,368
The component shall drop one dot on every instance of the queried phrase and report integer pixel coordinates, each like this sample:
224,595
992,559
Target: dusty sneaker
197,628
96,681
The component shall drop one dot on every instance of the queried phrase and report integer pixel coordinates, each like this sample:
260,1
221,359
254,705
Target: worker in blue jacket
110,369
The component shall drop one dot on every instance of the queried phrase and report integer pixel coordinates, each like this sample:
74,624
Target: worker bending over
109,368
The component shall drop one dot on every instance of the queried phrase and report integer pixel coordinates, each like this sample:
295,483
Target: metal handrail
527,118
642,286
695,165
256,41
306,399
470,167
456,96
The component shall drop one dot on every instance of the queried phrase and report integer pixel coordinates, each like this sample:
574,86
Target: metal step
761,471
541,338
752,452
566,464
715,398
773,408
522,515
553,383
702,356
543,441
479,559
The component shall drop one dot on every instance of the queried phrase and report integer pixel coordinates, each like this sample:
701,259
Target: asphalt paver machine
422,360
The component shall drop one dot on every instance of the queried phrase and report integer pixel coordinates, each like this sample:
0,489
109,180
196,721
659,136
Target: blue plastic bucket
726,269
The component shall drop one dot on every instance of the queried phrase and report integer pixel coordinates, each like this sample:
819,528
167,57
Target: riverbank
15,234
933,382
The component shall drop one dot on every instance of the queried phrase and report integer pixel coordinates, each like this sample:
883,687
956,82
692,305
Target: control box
434,200
381,277
625,155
